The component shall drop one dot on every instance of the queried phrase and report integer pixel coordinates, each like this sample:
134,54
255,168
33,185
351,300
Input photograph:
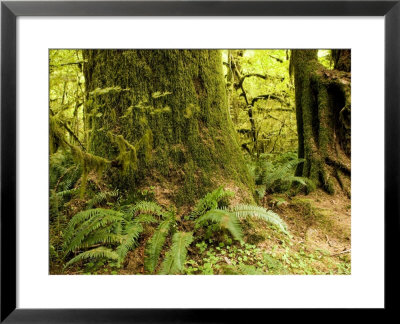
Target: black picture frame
10,10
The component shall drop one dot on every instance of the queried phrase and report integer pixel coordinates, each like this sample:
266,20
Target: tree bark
237,79
167,111
323,106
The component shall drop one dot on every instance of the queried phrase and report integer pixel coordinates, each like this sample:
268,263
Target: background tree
162,116
261,100
323,106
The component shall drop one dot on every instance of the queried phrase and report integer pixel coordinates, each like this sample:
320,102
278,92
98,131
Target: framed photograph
186,161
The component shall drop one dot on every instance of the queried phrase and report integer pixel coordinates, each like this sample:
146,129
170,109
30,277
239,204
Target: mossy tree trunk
163,116
235,80
323,106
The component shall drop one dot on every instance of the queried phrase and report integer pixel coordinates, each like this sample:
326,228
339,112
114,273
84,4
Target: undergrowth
103,230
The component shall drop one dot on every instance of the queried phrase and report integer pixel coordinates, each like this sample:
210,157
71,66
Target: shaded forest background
200,161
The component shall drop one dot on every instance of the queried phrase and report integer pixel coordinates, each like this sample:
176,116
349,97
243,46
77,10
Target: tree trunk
168,123
237,80
323,106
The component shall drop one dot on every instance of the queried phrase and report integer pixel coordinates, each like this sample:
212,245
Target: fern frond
102,197
129,240
66,193
85,223
245,211
210,201
261,190
225,219
147,207
145,219
280,178
103,237
281,173
306,182
97,253
175,258
155,244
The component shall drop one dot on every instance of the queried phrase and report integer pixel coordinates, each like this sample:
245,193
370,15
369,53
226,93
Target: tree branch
69,63
267,97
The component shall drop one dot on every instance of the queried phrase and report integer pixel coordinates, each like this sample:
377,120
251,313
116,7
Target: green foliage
247,211
129,239
101,197
229,219
127,156
325,58
97,253
212,200
109,228
235,259
261,100
91,227
147,207
102,138
155,244
175,258
225,219
278,176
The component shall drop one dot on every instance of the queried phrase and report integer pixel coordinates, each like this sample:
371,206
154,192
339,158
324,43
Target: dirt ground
317,222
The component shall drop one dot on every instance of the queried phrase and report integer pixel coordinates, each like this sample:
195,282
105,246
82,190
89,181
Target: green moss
174,103
319,98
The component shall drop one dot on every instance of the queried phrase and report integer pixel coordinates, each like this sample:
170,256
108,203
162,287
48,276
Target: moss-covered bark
323,106
162,115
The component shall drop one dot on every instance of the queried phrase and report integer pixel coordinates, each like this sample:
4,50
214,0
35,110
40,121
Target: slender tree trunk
323,106
238,79
167,112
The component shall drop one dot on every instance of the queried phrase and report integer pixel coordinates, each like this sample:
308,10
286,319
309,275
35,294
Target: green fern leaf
85,223
102,197
147,207
280,174
225,219
97,253
129,240
145,219
210,201
244,211
155,245
175,258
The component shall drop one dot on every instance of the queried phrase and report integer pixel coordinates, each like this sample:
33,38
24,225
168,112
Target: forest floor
320,226
319,242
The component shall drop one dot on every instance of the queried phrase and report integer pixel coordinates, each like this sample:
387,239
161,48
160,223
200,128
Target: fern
145,219
97,253
67,193
225,219
155,244
280,179
106,227
229,219
147,207
176,256
245,211
129,240
85,224
210,201
104,237
102,197
281,172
